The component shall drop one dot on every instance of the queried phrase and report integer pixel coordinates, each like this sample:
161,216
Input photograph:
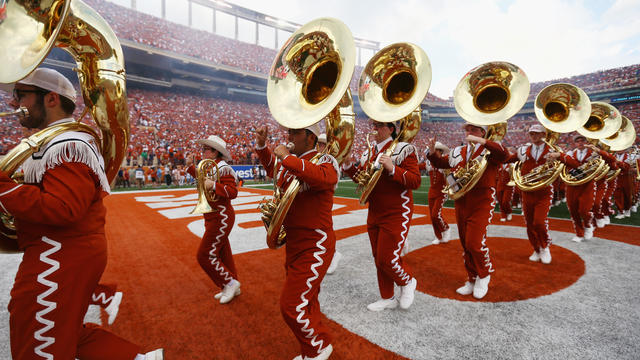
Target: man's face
536,137
580,142
31,98
473,130
209,153
301,139
383,131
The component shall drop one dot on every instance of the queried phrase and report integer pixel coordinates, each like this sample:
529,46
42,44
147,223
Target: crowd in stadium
166,124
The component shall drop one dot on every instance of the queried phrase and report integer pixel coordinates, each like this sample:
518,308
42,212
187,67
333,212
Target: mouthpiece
21,112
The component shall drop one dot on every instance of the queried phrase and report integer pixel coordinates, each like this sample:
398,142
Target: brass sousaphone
392,86
560,108
27,34
604,121
308,81
619,141
487,95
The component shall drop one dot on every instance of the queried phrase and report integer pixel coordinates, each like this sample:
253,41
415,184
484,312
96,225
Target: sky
548,39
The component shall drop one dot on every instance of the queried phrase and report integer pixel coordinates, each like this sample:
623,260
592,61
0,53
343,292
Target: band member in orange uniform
475,209
579,198
504,192
624,193
390,212
60,217
536,204
601,188
214,254
310,240
436,197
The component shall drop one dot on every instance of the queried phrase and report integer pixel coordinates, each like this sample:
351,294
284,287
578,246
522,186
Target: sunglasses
18,94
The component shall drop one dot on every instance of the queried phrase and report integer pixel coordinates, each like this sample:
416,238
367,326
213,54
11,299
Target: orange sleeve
64,197
320,176
407,173
226,187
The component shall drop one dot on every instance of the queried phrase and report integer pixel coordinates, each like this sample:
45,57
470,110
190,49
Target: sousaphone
309,81
487,95
28,32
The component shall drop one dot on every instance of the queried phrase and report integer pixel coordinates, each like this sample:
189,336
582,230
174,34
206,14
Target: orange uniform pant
309,254
598,210
623,192
535,207
214,254
580,202
505,196
387,237
435,211
607,199
50,297
103,294
473,215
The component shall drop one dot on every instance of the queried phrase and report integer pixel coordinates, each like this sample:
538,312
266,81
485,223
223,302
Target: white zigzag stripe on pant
212,254
396,254
299,309
49,306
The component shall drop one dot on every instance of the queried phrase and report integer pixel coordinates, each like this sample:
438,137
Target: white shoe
219,295
588,233
229,291
466,289
481,287
545,255
324,354
435,241
157,354
446,236
535,257
509,217
600,223
113,307
383,304
564,200
620,216
334,263
607,220
503,219
634,208
577,239
627,213
405,248
408,293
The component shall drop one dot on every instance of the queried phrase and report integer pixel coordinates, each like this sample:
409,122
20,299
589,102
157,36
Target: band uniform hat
315,129
217,143
578,136
322,138
537,128
484,127
47,79
442,147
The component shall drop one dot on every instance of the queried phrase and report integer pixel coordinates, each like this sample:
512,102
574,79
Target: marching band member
579,198
436,198
310,240
60,217
475,209
504,192
389,215
536,204
322,144
599,210
214,254
623,194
